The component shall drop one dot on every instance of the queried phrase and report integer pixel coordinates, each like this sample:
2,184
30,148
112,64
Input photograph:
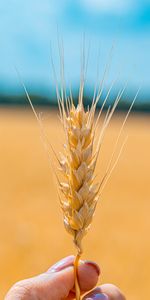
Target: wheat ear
78,162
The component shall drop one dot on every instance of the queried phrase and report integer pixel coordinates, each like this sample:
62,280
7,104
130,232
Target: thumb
57,283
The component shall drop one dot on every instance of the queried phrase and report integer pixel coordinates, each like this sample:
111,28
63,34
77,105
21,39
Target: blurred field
32,236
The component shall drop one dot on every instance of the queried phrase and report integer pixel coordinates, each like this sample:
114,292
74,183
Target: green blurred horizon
140,105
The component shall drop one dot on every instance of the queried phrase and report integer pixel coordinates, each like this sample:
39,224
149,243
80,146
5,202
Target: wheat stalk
78,165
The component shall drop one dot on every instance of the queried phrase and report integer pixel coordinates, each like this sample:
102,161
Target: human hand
58,282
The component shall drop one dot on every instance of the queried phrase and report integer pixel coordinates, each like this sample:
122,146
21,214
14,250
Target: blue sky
29,28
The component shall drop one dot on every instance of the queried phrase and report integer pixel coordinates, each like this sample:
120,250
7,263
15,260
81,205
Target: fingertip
88,275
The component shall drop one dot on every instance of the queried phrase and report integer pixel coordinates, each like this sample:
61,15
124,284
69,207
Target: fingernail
94,265
62,264
98,297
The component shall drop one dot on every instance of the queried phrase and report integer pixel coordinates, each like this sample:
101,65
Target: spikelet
77,165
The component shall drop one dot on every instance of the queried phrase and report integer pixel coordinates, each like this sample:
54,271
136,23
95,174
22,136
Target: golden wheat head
78,165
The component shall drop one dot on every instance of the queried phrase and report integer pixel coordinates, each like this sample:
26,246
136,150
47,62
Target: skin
57,283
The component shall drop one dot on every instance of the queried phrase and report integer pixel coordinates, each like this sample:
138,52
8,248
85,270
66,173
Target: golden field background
32,236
